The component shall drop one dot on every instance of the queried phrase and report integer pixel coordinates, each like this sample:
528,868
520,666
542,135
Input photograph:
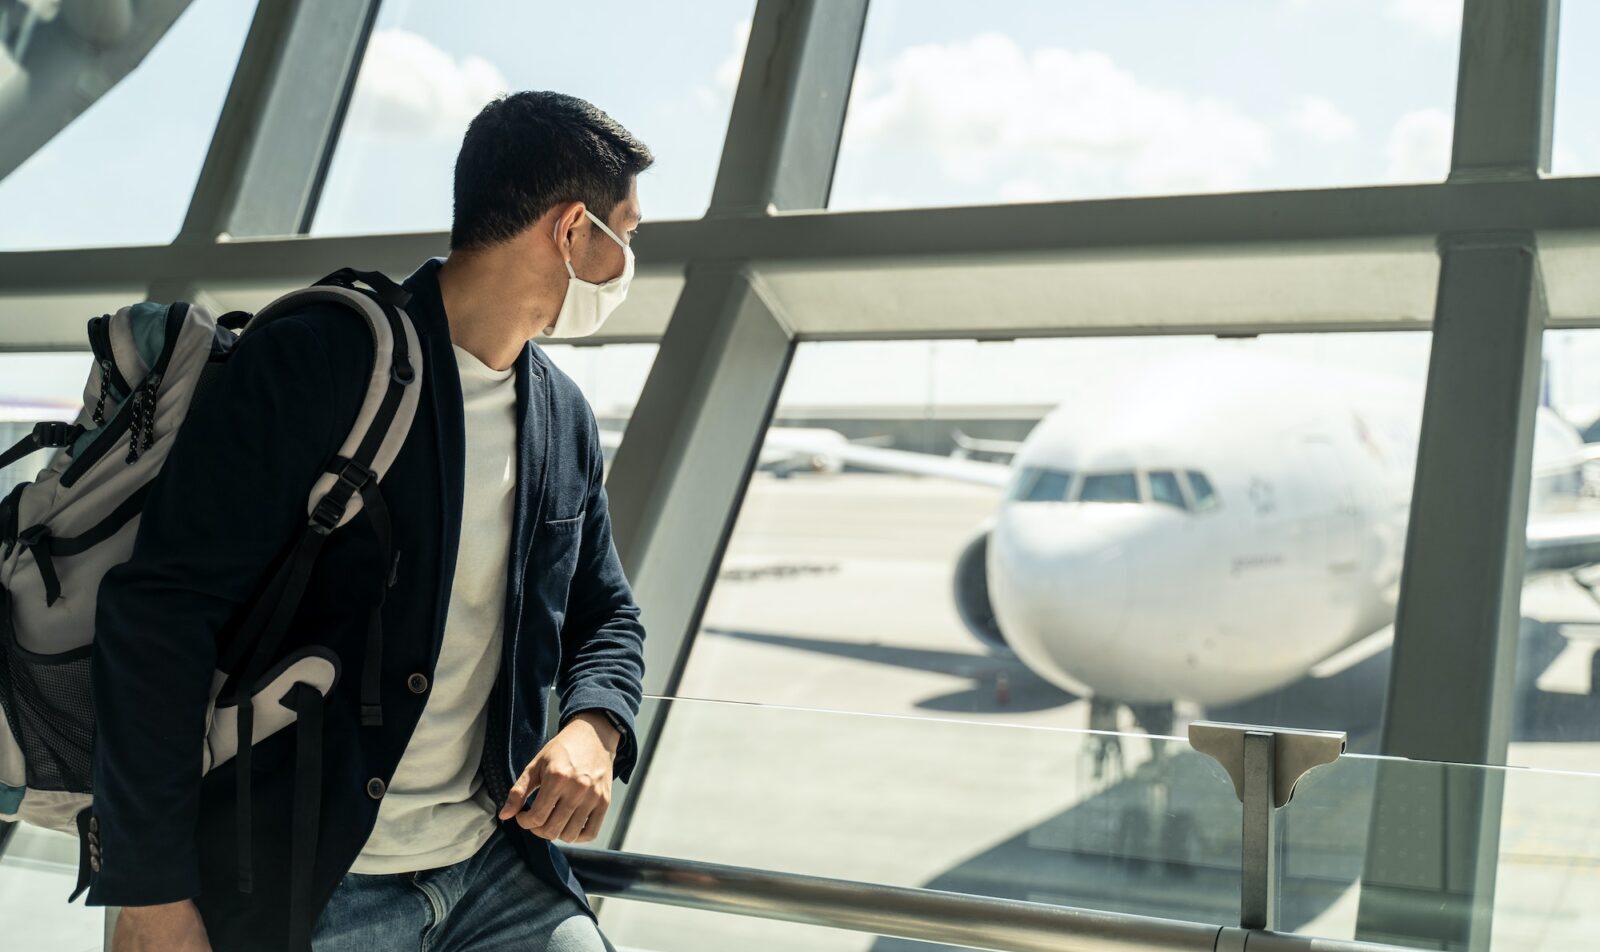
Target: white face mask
587,305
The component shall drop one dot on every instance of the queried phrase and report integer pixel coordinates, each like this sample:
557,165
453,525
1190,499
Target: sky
955,102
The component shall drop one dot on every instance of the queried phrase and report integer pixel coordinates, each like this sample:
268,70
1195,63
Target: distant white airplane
787,450
1212,530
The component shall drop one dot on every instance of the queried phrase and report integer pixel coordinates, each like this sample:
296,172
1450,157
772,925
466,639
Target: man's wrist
605,727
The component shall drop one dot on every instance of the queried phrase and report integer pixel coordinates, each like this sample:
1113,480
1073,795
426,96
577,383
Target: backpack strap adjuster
53,433
362,475
327,514
329,511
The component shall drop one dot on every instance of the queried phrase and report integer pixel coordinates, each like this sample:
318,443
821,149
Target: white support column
680,475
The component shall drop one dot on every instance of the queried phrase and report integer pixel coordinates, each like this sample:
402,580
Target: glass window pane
1577,135
611,377
961,103
1022,485
122,171
1205,497
34,388
1043,485
1109,487
430,67
1558,673
887,591
1164,488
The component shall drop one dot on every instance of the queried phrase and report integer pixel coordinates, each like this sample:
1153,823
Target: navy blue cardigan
230,497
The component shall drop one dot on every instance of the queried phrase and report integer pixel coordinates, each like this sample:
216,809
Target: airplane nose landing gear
1107,764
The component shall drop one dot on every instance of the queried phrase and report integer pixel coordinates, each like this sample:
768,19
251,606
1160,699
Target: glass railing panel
1418,853
1050,815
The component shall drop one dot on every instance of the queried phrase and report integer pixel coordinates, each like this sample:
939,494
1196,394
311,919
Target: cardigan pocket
554,560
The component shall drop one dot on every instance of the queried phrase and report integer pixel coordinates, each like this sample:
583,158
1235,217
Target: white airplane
1212,531
786,450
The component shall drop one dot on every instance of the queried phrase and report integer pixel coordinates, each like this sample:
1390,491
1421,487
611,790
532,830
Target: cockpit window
1164,488
1110,487
1204,496
1035,484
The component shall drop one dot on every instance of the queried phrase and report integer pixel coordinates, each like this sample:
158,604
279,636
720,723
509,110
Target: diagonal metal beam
1505,90
681,471
275,137
1457,624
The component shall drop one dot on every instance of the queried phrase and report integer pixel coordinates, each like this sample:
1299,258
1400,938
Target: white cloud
1419,147
411,87
983,107
1322,121
1439,17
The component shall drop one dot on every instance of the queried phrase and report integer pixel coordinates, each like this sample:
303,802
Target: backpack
60,533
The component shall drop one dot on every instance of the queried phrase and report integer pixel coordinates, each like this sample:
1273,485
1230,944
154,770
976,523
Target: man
507,584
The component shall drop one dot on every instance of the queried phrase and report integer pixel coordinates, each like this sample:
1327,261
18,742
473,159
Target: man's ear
568,219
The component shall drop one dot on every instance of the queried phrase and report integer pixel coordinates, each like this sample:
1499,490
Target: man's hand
572,775
172,927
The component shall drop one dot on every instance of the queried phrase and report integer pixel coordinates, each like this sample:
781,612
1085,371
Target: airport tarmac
850,727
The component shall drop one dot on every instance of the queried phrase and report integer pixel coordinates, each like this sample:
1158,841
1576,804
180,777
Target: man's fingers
546,800
520,791
574,829
557,822
591,828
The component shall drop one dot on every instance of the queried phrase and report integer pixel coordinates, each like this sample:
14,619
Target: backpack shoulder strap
390,403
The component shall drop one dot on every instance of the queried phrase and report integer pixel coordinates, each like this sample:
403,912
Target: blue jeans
488,903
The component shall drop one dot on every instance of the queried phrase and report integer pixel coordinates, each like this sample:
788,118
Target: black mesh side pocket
47,701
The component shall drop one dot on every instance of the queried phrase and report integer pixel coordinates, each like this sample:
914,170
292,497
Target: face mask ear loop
556,236
603,227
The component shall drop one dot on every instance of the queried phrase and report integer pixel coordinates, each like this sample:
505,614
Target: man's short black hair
529,151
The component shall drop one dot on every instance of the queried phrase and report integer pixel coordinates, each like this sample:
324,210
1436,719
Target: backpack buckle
325,517
363,475
54,433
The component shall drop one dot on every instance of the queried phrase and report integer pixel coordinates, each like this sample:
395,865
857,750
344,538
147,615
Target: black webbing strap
388,292
46,435
277,610
36,539
88,851
8,518
67,547
46,548
306,818
372,661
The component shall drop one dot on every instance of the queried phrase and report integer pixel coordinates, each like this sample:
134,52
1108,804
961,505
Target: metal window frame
726,349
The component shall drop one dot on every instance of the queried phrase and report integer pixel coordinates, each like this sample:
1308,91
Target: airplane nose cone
1060,585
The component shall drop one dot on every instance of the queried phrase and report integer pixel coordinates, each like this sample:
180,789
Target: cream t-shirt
435,813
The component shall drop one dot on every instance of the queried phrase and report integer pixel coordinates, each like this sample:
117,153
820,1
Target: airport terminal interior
1006,393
